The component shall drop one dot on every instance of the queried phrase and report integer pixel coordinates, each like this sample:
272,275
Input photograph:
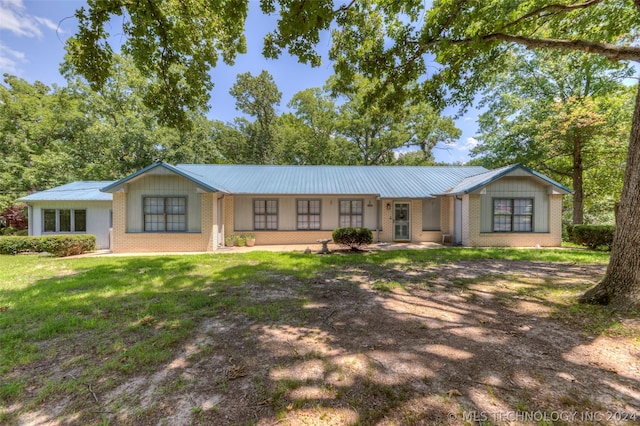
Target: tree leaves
174,43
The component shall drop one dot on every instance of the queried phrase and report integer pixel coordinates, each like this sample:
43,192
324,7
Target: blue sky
33,33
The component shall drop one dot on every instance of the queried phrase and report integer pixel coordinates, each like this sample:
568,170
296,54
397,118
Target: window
308,214
351,213
431,214
265,214
64,220
80,220
50,220
165,214
513,215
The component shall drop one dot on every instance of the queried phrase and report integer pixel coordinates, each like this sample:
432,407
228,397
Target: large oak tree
469,40
561,114
393,42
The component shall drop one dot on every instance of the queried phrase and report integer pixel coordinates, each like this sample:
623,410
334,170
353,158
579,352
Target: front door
401,228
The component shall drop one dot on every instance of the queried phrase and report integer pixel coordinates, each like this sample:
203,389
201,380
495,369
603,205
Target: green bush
58,245
15,245
592,236
352,237
68,245
569,233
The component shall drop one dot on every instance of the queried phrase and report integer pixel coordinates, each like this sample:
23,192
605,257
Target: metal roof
115,186
74,191
384,181
476,182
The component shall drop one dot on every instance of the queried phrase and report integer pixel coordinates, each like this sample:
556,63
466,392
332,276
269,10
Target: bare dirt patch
474,341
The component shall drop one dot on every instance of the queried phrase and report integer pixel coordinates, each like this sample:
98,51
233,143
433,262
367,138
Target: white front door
401,222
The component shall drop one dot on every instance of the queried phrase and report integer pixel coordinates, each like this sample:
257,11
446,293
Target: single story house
77,207
191,207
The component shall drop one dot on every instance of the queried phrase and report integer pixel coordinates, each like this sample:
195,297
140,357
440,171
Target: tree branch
554,8
344,7
609,51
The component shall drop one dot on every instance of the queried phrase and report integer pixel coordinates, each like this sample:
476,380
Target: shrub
68,245
353,238
7,231
569,233
58,245
15,245
593,236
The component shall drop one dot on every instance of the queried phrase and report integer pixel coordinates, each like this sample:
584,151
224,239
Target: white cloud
16,19
48,23
465,146
471,143
9,59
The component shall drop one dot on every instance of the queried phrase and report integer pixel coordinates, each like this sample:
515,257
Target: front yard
398,337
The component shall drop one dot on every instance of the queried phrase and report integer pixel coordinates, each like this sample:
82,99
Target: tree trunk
578,190
620,287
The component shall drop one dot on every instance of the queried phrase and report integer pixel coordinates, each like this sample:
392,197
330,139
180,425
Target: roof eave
505,172
113,187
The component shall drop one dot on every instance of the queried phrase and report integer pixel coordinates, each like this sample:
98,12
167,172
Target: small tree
15,216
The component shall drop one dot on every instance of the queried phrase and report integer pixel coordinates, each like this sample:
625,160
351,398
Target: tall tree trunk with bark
578,189
620,287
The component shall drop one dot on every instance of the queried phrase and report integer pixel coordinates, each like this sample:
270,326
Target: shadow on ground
392,340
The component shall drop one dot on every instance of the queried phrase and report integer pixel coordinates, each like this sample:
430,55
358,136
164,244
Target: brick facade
471,235
143,242
207,237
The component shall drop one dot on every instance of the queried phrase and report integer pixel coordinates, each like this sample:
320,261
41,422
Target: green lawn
104,318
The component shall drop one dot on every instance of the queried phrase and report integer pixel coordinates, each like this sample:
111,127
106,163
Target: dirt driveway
472,342
440,344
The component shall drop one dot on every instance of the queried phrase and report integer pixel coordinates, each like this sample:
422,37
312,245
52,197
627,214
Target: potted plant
241,241
230,240
250,240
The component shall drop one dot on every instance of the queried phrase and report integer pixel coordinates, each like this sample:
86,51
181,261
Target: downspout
29,218
220,215
378,218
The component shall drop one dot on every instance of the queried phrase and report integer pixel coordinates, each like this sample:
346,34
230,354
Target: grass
132,313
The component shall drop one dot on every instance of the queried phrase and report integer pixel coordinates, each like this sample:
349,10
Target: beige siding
160,185
553,238
128,242
417,232
551,209
98,217
469,218
448,219
287,213
516,188
415,212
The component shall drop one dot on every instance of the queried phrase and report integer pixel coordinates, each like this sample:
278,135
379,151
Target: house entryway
401,222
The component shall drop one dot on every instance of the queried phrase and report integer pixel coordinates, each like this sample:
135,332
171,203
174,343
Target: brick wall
475,238
206,239
143,242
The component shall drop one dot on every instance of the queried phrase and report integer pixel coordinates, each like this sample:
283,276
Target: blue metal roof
113,186
384,181
74,191
476,182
